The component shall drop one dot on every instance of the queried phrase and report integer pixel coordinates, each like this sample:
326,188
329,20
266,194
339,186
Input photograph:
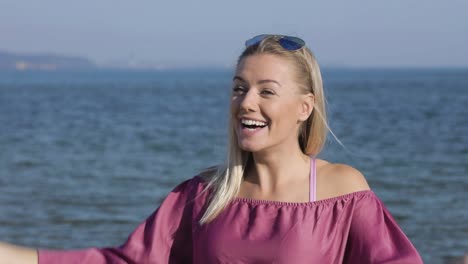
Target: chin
255,147
247,148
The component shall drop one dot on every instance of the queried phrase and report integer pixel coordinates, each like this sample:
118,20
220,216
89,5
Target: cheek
234,105
287,116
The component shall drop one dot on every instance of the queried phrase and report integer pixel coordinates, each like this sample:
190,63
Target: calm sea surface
86,156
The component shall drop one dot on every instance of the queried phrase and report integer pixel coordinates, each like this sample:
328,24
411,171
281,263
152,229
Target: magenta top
351,228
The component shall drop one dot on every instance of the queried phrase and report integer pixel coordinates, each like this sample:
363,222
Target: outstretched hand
12,254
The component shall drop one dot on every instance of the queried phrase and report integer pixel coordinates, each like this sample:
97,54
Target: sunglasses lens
255,40
291,43
287,42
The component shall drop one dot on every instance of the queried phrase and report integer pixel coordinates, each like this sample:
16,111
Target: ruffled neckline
314,203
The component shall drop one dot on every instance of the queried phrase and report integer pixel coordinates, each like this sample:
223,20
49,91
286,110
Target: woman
272,201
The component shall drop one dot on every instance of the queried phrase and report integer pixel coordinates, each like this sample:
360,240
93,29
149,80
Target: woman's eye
238,89
267,92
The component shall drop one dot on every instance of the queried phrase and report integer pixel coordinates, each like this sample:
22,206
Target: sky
367,33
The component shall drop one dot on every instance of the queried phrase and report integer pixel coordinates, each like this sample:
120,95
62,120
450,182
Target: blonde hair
225,180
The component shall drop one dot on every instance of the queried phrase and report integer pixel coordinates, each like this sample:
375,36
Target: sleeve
376,238
164,237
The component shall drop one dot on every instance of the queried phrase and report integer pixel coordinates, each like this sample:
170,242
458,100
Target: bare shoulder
335,179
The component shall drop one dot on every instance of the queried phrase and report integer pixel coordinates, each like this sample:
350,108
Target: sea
85,156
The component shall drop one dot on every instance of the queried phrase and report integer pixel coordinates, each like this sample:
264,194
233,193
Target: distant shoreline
11,61
43,62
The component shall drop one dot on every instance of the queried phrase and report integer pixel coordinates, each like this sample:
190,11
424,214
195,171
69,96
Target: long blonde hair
225,180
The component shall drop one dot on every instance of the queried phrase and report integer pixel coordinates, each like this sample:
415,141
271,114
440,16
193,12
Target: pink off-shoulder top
352,228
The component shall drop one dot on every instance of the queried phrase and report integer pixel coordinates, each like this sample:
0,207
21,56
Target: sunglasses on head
287,42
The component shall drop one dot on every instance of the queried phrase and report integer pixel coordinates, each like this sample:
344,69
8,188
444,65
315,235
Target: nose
248,102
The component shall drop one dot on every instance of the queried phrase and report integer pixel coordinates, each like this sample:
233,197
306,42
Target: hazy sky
188,33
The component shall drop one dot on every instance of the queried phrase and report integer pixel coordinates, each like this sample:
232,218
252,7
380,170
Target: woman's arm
164,237
375,237
12,254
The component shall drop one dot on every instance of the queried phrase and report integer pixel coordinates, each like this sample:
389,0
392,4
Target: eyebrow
259,82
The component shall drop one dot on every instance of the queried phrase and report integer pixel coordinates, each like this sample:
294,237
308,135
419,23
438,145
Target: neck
272,169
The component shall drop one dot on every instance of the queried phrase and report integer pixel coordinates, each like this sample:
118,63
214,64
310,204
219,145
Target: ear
306,107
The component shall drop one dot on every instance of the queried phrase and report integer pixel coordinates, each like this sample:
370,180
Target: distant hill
12,61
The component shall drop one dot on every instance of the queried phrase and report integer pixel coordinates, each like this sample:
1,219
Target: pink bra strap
313,180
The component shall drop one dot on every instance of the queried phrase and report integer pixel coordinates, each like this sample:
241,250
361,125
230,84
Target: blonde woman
273,201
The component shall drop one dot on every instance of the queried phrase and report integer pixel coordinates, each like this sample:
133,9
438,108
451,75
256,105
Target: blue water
86,156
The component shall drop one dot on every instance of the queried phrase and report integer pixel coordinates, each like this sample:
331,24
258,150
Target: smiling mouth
252,124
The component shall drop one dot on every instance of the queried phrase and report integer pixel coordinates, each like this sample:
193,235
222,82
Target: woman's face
267,106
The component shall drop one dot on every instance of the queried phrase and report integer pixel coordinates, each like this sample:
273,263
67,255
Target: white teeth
252,122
